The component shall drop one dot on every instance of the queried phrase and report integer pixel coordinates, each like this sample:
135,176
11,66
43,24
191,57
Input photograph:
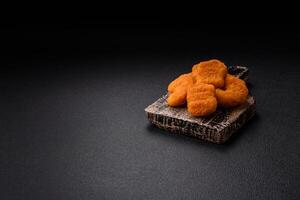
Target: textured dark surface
216,128
73,126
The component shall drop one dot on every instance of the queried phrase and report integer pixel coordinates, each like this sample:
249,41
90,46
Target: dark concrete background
72,121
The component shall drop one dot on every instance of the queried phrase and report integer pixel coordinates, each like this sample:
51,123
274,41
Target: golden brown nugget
210,72
234,94
201,99
178,90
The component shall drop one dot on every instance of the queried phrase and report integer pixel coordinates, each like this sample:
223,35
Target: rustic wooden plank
217,128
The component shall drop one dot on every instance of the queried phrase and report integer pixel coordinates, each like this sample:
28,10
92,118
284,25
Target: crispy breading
201,100
210,72
206,87
178,90
235,92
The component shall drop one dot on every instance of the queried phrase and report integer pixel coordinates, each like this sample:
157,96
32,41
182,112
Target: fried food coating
235,92
178,90
208,85
201,99
210,72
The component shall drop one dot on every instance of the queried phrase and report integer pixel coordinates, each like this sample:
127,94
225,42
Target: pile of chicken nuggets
205,88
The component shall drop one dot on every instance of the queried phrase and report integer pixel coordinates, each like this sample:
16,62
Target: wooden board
217,128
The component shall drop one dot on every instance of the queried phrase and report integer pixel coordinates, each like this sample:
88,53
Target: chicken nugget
201,100
210,72
178,90
235,92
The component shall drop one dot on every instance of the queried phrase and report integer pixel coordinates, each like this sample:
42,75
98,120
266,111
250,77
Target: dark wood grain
217,127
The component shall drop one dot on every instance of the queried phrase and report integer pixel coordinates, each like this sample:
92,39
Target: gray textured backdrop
73,126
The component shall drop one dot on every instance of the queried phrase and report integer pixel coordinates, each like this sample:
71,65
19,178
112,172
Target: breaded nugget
210,72
201,100
234,94
178,89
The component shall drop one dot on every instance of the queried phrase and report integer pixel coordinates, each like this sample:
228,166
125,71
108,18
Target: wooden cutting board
217,128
